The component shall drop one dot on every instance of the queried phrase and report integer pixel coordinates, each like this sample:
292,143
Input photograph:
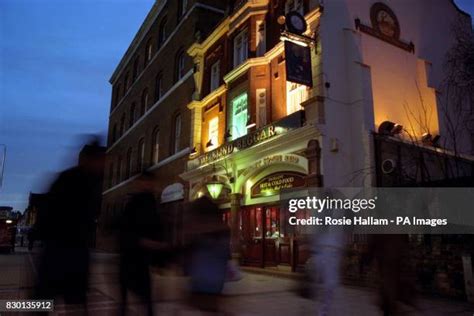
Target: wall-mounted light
428,139
390,128
214,187
8,221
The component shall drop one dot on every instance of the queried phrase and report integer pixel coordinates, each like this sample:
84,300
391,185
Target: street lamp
214,187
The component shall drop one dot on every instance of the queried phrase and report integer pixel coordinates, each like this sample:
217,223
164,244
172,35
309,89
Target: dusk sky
56,58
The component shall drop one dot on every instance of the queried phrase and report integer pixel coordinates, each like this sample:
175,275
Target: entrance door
260,231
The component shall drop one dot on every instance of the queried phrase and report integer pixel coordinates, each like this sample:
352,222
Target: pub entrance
261,235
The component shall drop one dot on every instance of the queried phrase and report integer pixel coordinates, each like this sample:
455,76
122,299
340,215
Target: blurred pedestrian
64,226
139,242
209,253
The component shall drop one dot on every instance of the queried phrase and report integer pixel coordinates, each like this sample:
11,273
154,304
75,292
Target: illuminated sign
274,183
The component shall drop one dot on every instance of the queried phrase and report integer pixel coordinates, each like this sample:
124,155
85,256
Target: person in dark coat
65,226
209,254
139,241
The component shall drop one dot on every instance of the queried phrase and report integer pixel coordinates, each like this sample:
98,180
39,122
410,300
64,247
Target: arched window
122,124
155,146
119,169
133,110
114,133
180,63
135,68
111,175
145,100
128,166
177,133
141,155
148,52
162,35
126,83
158,87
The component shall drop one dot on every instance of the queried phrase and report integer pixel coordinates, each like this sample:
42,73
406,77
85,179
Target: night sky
56,58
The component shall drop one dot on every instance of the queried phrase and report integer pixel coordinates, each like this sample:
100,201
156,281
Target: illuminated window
215,75
141,155
294,5
261,42
214,132
239,116
177,133
156,146
240,48
295,95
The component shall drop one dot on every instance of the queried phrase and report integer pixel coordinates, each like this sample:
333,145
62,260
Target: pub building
296,94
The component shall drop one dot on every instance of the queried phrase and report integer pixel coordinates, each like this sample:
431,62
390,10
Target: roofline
142,32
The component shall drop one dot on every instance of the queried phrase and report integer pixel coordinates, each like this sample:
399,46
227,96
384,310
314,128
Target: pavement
255,294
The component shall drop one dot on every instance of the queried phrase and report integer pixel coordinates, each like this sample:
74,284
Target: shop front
253,179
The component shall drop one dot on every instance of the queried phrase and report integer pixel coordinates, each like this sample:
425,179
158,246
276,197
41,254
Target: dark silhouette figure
209,254
64,226
139,242
31,238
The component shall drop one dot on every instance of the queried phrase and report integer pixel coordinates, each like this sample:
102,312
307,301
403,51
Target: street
255,294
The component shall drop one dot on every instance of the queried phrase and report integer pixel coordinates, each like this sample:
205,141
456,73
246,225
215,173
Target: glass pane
239,116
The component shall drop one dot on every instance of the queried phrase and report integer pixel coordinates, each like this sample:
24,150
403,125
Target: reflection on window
239,116
214,132
295,95
215,75
240,48
156,146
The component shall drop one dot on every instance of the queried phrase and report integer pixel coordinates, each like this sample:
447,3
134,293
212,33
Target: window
128,167
149,52
183,5
122,124
177,133
126,83
114,133
240,48
214,132
158,87
111,175
141,155
294,5
133,110
145,100
135,69
119,170
180,63
162,35
215,75
155,156
261,41
239,116
295,95
117,94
